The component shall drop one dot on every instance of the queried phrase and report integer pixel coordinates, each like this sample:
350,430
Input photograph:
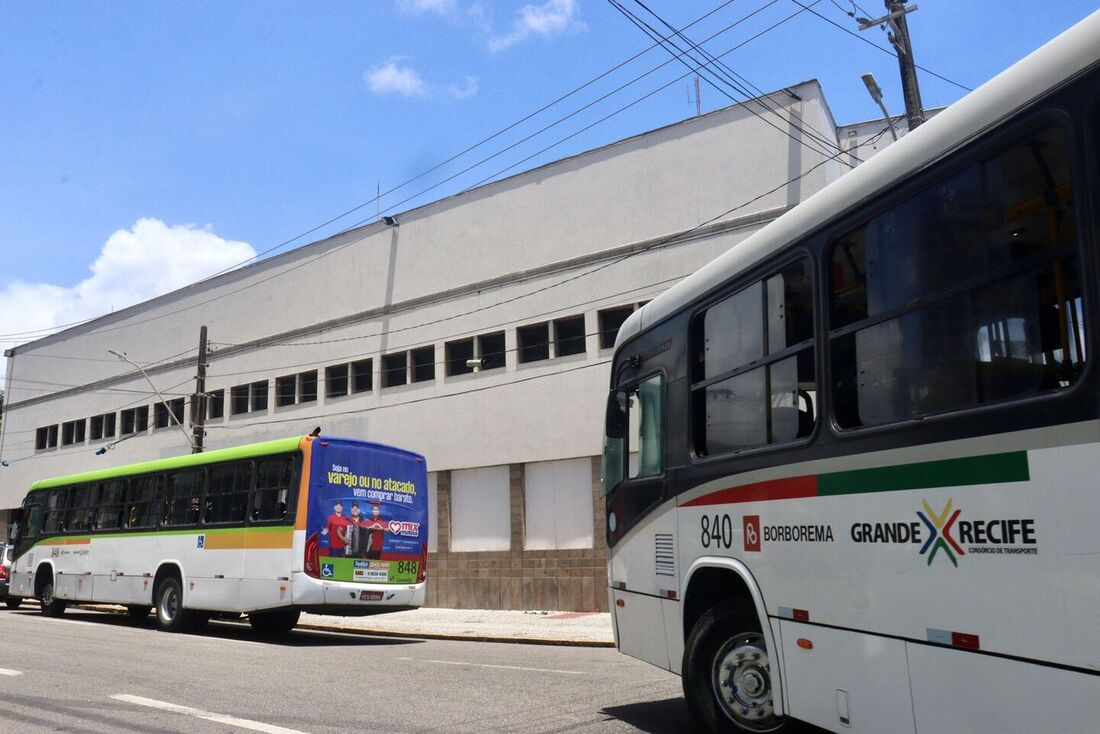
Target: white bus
863,486
317,524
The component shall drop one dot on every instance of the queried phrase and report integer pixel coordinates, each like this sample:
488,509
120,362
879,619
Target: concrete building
367,334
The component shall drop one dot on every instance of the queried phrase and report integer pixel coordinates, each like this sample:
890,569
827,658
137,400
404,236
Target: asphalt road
94,672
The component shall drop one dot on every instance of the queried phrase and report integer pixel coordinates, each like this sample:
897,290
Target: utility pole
896,10
198,400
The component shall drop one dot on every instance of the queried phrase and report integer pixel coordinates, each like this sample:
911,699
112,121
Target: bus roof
1056,62
265,448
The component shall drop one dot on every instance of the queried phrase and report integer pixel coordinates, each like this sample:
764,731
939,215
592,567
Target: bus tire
270,624
727,673
138,612
49,605
171,615
13,602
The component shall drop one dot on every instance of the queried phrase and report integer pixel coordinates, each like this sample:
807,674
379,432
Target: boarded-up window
480,510
558,504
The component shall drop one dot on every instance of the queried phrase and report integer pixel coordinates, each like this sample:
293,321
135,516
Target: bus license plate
370,596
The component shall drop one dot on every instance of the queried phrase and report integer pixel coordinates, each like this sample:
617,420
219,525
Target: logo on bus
948,532
751,524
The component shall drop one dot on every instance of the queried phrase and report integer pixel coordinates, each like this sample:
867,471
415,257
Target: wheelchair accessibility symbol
327,571
202,541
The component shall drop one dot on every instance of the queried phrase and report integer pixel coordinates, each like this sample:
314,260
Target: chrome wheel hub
742,682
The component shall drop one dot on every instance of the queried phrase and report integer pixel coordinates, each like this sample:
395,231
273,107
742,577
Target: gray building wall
599,230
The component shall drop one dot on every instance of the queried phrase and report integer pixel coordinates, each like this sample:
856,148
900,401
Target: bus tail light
313,565
423,572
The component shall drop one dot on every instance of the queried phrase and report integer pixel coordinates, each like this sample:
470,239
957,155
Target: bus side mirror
615,423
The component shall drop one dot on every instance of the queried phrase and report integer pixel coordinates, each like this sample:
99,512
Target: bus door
643,577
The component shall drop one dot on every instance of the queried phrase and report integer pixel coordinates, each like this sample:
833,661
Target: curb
401,634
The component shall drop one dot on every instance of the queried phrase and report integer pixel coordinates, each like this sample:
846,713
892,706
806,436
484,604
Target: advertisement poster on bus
368,512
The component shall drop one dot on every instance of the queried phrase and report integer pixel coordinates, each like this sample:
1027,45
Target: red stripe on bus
776,489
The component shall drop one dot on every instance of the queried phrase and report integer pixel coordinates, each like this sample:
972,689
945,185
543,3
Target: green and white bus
852,466
319,524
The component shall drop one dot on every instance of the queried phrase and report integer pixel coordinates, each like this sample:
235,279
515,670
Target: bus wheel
274,623
50,606
171,616
138,612
13,602
727,673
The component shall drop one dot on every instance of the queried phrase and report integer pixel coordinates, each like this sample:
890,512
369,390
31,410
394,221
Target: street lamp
876,94
171,416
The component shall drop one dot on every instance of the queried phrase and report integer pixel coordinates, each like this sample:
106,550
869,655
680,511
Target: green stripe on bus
264,448
966,471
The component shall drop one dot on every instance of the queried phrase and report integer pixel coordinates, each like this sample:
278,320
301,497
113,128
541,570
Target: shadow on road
654,717
236,630
671,717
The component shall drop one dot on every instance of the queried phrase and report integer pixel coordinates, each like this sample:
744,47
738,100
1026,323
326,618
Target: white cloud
551,18
396,77
467,90
393,78
442,7
134,265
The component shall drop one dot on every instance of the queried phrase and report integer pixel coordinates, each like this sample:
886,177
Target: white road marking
12,673
205,715
499,667
68,621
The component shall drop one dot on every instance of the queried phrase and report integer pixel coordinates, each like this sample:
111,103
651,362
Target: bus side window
53,517
227,492
967,293
183,497
274,484
753,377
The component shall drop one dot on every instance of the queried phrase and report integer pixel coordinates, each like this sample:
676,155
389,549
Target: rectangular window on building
238,399
423,364
73,432
533,342
395,369
286,390
491,350
362,375
51,437
481,509
336,380
42,438
95,427
610,321
259,396
135,420
215,405
569,336
457,354
170,414
307,387
558,505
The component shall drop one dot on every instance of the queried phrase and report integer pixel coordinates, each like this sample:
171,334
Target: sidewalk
581,629
575,629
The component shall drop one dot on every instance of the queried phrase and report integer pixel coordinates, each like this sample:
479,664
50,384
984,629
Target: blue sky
143,145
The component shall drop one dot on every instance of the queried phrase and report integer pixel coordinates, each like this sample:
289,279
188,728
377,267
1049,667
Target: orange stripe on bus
70,541
249,539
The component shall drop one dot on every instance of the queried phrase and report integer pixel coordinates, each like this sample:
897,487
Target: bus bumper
315,595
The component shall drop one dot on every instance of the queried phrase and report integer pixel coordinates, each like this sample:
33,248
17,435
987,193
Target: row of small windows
251,491
565,336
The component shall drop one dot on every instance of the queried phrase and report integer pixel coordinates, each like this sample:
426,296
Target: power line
823,145
885,50
49,330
